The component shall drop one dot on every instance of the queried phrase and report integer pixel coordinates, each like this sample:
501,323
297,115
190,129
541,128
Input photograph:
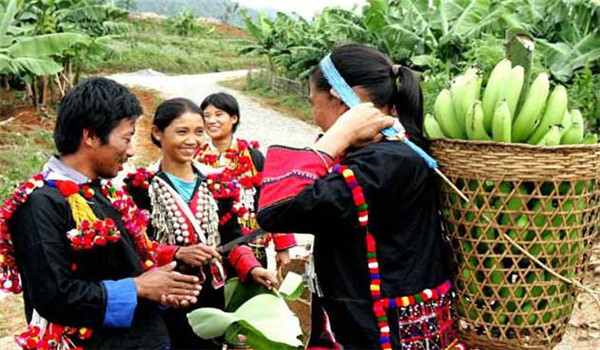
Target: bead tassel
375,285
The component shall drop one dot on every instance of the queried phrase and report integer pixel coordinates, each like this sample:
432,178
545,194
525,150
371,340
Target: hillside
220,9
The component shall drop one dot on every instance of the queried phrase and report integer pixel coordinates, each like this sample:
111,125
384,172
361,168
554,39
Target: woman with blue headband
372,205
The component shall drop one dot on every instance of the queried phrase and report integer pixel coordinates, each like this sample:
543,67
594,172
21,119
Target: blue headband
350,99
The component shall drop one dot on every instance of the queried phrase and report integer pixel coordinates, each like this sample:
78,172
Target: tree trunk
34,92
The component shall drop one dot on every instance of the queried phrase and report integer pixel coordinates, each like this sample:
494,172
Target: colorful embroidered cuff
283,241
243,260
165,253
121,301
288,171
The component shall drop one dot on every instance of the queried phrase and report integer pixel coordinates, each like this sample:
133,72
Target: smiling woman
186,214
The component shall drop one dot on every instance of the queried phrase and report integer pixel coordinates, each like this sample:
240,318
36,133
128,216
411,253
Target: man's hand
264,277
162,282
282,258
197,255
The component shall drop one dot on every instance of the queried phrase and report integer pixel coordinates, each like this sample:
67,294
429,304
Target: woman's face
182,137
219,124
326,108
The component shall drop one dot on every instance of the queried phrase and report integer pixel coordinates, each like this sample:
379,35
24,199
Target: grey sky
306,8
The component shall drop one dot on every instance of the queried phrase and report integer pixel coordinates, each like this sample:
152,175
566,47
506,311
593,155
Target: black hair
97,104
224,102
170,110
371,69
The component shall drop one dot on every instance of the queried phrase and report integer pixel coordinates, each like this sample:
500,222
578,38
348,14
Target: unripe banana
465,89
501,126
565,123
590,139
553,114
495,84
432,128
552,137
512,90
475,128
444,114
532,109
574,134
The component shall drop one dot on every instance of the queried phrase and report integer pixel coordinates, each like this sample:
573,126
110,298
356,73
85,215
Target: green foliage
21,157
441,37
261,315
184,24
152,44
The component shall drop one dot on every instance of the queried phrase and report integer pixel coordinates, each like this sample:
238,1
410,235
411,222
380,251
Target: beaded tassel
375,286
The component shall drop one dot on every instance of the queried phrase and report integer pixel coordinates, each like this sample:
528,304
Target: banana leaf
7,18
264,319
33,65
46,45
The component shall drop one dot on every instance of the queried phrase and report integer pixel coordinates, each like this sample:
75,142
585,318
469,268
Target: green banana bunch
553,114
532,108
496,82
574,133
464,112
475,128
502,123
444,114
432,128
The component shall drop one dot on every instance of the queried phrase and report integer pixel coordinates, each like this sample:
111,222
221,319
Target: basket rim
527,146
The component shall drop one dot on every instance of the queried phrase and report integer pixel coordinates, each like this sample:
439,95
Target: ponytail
409,104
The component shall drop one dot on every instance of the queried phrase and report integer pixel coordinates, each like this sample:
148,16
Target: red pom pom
67,188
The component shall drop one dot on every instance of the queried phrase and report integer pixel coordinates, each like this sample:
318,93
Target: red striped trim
288,171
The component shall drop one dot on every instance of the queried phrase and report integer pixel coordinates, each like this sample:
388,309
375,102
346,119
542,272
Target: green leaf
270,316
46,45
564,58
7,18
31,65
237,293
265,320
208,322
425,61
292,286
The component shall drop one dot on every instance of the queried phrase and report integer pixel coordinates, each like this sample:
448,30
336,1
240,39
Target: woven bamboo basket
545,199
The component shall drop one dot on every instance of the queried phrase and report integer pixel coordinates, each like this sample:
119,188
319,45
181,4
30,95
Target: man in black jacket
107,281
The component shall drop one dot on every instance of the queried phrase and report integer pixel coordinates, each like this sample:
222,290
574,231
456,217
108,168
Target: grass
24,149
258,87
152,44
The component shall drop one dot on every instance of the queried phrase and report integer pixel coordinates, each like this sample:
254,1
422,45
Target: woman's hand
197,255
357,127
264,277
282,258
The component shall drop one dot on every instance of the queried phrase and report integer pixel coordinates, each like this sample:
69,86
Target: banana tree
31,55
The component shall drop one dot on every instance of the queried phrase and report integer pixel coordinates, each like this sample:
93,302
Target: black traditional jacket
64,285
299,195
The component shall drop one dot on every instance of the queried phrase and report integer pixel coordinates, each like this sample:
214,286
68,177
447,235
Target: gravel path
257,122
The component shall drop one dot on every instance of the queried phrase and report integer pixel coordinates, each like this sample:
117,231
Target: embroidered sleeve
283,241
243,261
288,172
165,253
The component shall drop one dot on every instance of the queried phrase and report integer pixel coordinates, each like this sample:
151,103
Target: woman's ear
156,134
334,93
235,119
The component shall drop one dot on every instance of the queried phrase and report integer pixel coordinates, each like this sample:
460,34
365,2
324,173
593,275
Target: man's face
108,159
